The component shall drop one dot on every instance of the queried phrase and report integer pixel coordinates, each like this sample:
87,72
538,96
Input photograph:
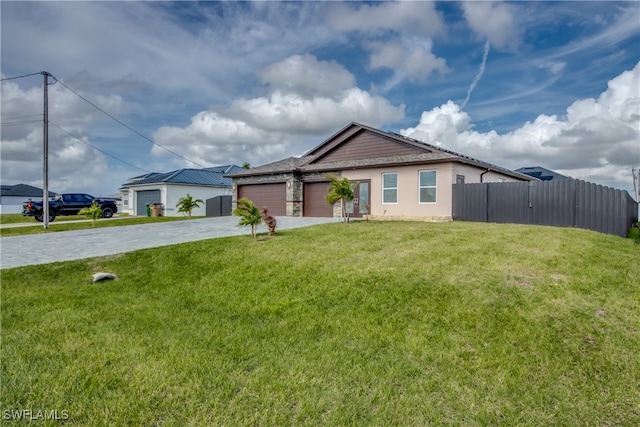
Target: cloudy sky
197,84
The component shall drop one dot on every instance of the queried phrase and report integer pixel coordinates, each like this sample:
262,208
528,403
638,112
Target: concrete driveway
18,251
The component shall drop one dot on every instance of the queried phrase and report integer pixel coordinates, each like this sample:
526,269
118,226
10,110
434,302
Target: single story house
12,197
168,188
543,174
397,177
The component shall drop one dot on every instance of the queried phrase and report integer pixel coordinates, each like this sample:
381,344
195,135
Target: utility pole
636,183
45,157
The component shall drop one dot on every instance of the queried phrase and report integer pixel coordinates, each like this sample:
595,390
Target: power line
20,77
23,117
22,122
108,115
129,127
97,149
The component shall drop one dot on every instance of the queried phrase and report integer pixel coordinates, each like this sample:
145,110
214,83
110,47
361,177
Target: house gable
357,142
365,144
358,146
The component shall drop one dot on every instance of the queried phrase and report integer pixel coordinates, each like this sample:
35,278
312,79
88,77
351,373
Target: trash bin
156,209
148,210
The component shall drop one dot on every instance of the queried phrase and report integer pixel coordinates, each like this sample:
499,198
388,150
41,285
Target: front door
361,203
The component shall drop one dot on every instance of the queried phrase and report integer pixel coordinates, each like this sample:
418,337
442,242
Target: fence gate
218,206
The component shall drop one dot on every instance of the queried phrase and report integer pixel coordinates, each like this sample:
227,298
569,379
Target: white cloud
492,21
411,25
598,139
212,139
303,103
408,17
307,77
191,66
410,58
73,165
624,24
151,49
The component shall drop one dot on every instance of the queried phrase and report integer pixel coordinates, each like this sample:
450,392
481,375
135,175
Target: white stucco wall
13,204
174,192
130,196
170,194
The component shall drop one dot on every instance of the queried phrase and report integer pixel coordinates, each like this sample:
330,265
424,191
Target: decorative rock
99,277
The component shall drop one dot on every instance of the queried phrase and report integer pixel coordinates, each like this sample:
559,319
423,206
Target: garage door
314,202
143,198
273,197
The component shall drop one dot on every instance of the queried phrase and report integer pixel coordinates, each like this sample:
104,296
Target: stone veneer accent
294,196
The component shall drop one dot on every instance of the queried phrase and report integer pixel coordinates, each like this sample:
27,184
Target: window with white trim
390,187
427,183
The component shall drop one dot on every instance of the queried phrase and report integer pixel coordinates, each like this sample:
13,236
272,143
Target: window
390,187
427,192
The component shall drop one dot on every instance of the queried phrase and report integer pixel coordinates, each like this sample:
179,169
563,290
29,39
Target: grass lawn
20,219
378,323
62,223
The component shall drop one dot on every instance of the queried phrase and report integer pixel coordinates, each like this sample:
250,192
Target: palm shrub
340,190
188,204
634,232
94,212
249,214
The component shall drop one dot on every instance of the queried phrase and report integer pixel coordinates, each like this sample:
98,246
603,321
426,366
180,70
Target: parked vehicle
68,204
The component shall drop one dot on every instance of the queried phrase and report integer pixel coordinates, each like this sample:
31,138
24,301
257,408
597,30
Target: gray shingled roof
432,154
285,165
22,190
214,176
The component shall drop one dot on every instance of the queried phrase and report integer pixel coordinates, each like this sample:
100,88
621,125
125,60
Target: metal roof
213,176
543,174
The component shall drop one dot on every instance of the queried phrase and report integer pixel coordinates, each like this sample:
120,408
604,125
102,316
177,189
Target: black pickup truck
68,204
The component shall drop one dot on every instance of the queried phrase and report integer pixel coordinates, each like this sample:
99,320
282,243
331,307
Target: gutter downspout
482,174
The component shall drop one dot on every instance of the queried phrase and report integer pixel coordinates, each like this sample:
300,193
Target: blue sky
554,84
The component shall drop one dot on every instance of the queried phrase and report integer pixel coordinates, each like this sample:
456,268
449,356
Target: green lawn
20,219
368,323
62,223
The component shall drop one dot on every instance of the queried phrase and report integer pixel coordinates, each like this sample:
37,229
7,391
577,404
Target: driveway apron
18,251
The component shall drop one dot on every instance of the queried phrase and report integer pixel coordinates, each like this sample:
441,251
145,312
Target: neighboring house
541,173
398,177
117,198
168,188
12,197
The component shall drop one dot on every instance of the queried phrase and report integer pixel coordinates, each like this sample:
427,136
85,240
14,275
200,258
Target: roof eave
494,168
